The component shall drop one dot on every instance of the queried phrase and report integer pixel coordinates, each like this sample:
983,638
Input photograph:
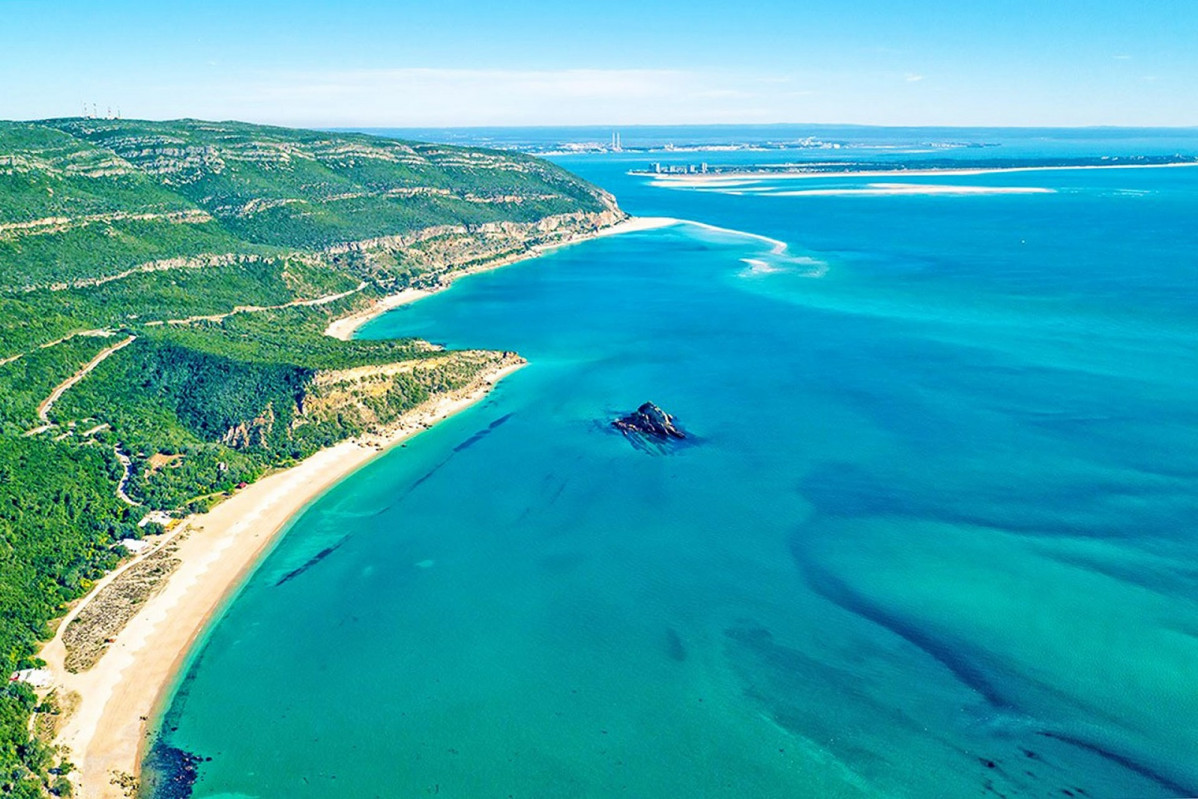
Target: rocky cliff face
373,397
255,433
424,258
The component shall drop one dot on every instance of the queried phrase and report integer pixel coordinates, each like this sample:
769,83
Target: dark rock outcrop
649,420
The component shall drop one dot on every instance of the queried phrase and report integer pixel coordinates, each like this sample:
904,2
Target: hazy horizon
611,126
318,64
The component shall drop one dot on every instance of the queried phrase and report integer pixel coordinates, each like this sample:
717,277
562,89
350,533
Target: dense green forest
215,254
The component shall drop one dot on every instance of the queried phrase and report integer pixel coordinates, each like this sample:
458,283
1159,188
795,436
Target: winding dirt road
43,409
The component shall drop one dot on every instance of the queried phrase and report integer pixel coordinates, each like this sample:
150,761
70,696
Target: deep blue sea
933,533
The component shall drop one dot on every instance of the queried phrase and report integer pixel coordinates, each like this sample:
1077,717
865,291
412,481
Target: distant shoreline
714,178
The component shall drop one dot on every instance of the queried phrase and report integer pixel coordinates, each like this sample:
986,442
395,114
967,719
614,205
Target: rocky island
651,421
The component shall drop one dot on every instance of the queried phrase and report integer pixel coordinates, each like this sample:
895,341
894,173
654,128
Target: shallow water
932,534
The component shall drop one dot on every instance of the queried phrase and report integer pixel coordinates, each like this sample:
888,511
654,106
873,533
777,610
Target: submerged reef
169,772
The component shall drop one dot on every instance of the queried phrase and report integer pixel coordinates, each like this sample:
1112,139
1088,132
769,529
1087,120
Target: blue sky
902,62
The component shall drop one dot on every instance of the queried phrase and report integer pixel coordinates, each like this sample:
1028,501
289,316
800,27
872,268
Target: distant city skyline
529,62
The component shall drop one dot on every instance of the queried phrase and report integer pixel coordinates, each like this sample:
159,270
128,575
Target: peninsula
178,377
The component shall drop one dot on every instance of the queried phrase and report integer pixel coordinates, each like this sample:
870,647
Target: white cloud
911,77
422,96
723,94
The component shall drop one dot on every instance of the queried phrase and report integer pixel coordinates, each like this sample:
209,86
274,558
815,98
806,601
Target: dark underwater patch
784,680
1081,509
169,772
675,648
426,475
1127,763
481,434
317,558
835,590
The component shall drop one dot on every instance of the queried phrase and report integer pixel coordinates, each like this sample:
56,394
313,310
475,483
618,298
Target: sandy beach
345,327
637,223
912,189
118,696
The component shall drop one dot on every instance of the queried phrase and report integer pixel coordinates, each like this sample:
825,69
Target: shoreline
116,701
689,180
118,697
345,327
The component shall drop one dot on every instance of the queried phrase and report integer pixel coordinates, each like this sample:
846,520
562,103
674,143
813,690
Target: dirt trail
216,317
120,487
43,410
68,337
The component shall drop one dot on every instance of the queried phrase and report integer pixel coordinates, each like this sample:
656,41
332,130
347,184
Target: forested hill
84,199
164,291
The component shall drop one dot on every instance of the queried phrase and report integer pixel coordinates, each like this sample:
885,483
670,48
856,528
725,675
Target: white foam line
779,247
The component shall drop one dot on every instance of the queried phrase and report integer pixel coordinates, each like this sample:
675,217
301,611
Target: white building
35,678
155,517
134,545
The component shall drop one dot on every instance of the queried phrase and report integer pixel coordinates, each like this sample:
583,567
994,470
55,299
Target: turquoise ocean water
933,535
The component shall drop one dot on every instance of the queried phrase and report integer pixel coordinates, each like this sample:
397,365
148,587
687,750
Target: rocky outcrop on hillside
370,398
253,433
426,258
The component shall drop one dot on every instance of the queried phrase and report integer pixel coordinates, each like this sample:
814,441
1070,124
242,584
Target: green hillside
177,278
88,198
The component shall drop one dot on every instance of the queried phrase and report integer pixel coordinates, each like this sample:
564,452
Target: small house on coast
38,679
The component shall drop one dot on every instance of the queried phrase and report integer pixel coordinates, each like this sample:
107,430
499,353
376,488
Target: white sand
345,327
777,247
638,223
